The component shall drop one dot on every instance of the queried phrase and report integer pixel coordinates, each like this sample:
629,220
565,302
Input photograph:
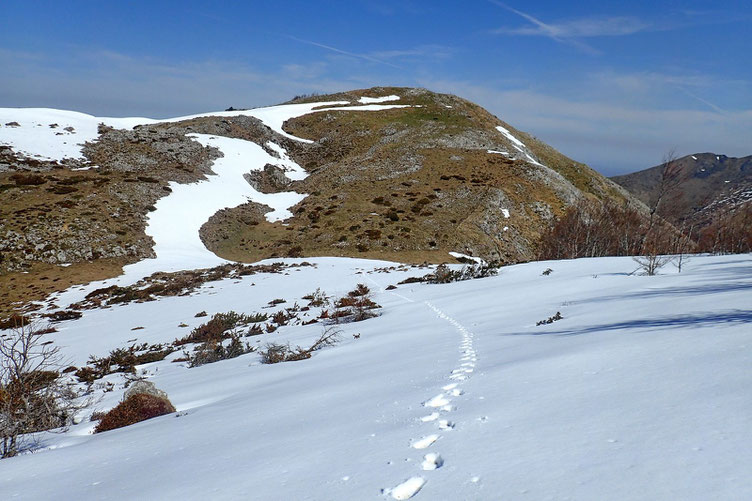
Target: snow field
639,392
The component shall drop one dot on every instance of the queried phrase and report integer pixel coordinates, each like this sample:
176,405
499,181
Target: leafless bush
594,229
650,263
275,352
32,396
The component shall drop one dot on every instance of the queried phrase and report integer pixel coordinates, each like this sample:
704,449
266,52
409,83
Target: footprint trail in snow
439,405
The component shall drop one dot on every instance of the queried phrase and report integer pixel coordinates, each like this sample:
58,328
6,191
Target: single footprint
431,417
457,392
432,461
450,386
437,401
424,442
445,424
407,489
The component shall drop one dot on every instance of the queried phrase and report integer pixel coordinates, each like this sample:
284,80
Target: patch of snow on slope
371,100
497,152
506,213
694,157
175,224
518,144
33,137
459,255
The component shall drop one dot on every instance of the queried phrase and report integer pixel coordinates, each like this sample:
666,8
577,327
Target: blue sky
612,84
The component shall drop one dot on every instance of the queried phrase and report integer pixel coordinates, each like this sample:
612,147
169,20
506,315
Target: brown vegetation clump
122,360
22,179
136,408
729,233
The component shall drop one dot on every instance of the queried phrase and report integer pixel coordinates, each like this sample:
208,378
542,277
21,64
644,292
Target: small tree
654,242
32,396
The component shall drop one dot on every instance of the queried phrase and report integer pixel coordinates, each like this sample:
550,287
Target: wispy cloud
364,57
704,101
581,28
430,51
571,32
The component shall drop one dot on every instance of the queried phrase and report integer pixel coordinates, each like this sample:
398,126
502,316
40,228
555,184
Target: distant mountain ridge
708,184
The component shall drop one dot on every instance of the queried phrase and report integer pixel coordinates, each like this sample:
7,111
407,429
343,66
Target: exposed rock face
144,387
270,180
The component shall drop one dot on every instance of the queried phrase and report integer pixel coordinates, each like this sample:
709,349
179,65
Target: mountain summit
392,173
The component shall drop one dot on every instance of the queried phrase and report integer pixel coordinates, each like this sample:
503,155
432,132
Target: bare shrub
594,229
32,395
275,353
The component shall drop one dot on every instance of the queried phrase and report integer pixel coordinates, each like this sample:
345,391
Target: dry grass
18,289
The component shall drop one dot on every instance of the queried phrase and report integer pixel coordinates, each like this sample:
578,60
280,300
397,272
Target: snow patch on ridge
459,255
519,145
41,132
370,100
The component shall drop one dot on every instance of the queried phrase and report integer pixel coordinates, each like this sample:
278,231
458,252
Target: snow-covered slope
641,391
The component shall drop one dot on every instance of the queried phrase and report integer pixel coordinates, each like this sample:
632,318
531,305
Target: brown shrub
729,233
136,408
14,321
27,179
